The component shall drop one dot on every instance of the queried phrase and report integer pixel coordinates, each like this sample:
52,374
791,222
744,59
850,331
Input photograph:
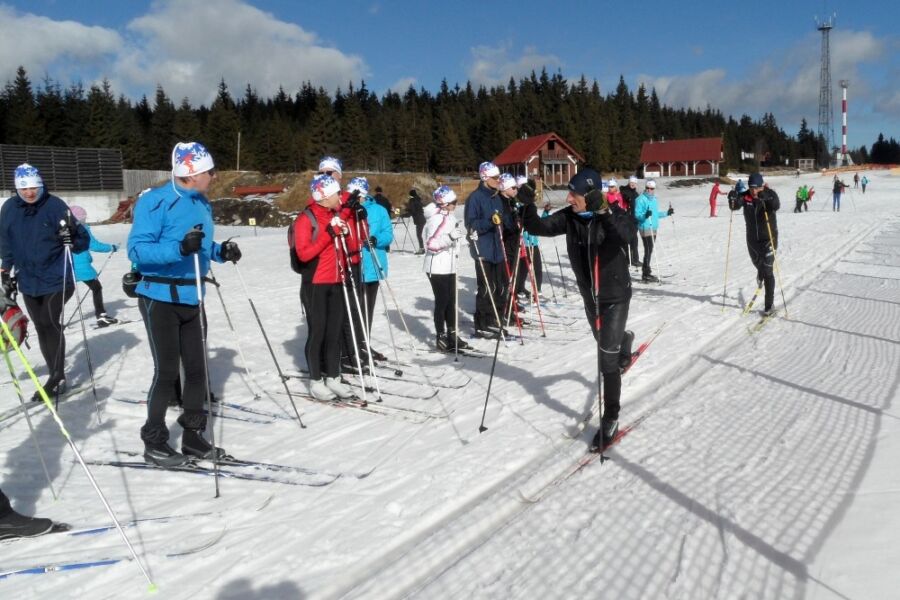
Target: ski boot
320,391
338,388
163,455
104,320
13,525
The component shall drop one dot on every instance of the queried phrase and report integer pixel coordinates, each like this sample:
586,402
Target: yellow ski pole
775,259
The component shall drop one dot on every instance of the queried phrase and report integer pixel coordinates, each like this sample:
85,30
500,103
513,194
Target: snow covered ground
761,465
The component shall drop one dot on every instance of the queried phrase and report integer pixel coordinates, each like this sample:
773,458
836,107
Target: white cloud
186,47
401,85
37,42
189,47
493,65
786,84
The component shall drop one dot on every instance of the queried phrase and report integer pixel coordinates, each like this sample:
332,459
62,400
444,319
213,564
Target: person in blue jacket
376,234
483,214
35,228
647,215
85,271
173,227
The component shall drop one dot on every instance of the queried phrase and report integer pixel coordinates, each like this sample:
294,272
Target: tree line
449,132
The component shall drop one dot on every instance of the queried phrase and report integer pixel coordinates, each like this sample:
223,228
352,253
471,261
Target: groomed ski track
743,478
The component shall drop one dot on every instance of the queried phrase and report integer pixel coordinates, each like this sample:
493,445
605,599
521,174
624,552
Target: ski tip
152,588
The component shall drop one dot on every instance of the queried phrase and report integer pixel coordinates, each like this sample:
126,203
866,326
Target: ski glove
495,218
648,214
64,234
337,227
191,242
455,234
229,251
114,247
373,241
8,283
473,236
671,211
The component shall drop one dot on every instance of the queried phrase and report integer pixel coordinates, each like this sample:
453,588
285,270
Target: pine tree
222,128
186,125
104,129
22,123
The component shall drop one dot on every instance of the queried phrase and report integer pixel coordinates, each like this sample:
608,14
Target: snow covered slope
760,465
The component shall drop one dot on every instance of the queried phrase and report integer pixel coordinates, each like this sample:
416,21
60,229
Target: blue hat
585,181
739,186
359,183
756,180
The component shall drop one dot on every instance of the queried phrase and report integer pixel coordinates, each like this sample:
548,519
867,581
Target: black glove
229,251
648,214
671,211
354,204
191,242
64,234
8,283
372,241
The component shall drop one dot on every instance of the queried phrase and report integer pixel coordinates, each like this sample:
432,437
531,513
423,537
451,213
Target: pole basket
17,322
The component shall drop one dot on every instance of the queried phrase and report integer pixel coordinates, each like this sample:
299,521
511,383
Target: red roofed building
546,156
698,156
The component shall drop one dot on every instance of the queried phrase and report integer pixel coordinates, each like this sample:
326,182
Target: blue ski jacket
30,245
162,217
642,204
480,207
380,226
84,268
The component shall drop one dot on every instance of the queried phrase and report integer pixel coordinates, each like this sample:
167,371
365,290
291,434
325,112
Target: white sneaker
320,391
341,391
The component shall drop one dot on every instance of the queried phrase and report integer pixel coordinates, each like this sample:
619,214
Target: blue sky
739,58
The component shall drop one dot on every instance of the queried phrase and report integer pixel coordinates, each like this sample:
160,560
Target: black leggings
174,332
494,287
613,318
45,312
649,242
324,305
763,258
420,227
367,302
444,302
97,295
534,255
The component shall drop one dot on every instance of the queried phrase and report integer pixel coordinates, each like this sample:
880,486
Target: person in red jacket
318,232
712,198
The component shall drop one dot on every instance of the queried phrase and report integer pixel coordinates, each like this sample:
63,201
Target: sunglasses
329,173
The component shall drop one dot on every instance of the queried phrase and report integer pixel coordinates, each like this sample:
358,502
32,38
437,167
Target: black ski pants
649,243
45,312
444,301
96,295
522,279
176,340
491,278
613,318
763,257
420,227
325,314
633,245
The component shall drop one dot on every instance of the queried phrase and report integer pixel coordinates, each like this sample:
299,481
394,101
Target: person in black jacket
417,212
597,236
35,228
629,195
759,204
383,201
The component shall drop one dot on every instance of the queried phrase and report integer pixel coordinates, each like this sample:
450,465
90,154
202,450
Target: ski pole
37,446
262,330
365,334
727,258
453,267
511,287
342,270
561,274
87,349
487,288
549,279
84,295
202,316
775,260
234,337
65,432
537,301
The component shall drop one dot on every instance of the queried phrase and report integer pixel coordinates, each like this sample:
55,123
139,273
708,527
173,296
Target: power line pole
826,125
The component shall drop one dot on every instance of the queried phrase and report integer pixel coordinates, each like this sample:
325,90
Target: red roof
677,150
521,150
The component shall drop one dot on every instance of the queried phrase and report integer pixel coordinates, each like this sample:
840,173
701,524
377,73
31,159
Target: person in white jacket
441,235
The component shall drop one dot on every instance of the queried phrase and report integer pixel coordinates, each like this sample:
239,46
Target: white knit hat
27,176
651,184
444,196
507,182
330,163
191,158
323,186
487,169
632,179
521,180
612,183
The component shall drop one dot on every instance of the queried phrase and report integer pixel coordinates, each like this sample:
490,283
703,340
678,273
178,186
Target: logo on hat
323,186
507,182
359,183
191,158
487,170
330,163
444,195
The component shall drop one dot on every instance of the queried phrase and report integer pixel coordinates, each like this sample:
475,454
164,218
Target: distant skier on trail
864,181
173,226
416,210
760,204
597,235
84,269
35,228
714,193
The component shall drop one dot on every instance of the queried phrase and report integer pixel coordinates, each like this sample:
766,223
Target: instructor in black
760,204
597,238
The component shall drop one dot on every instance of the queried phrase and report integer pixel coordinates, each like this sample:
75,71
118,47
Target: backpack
297,265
